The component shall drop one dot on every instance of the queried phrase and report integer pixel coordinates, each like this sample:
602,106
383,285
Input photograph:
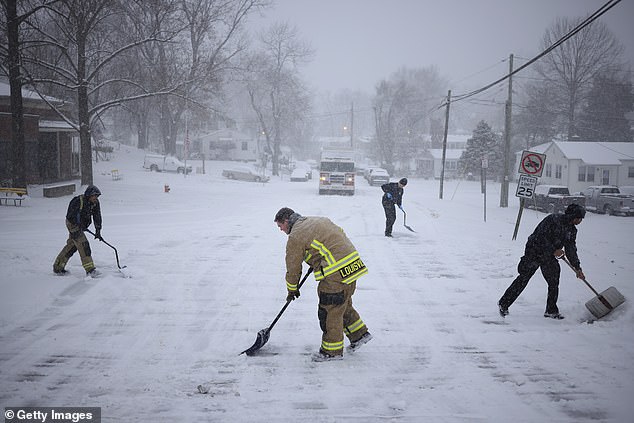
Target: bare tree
82,45
211,40
403,107
150,62
604,116
277,95
536,121
78,45
385,108
570,68
11,55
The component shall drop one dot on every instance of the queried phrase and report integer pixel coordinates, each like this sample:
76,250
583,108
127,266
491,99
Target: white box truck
336,172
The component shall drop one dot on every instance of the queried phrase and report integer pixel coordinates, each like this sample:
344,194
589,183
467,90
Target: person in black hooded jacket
82,209
393,195
553,237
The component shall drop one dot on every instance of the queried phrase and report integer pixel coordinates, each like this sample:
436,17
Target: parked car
553,199
608,199
367,172
244,173
379,176
303,167
300,175
160,163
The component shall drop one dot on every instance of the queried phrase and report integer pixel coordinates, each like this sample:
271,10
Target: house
227,144
51,144
428,163
579,165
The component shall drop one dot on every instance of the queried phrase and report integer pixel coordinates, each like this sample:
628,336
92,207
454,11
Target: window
586,173
75,160
630,172
605,180
557,171
548,170
245,146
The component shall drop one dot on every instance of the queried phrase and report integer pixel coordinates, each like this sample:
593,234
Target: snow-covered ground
206,263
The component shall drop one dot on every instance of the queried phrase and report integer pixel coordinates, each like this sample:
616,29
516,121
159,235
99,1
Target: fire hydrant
167,188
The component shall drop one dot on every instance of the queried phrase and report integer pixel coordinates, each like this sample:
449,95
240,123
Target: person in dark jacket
553,237
393,195
81,210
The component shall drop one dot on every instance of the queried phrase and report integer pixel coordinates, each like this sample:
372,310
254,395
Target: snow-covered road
206,267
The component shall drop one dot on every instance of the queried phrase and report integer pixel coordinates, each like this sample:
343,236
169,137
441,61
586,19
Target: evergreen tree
603,118
483,144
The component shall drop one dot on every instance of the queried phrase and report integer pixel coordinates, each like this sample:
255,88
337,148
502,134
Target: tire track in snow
93,322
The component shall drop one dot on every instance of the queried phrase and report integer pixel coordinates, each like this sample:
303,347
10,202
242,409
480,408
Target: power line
482,71
602,10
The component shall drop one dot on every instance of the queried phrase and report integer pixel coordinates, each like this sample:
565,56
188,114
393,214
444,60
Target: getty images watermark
52,414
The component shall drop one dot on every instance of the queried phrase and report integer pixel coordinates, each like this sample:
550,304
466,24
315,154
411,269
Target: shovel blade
260,340
406,226
605,302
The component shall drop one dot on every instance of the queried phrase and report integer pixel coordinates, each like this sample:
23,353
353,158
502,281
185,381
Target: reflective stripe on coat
326,248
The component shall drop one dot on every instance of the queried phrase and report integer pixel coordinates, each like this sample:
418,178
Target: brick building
51,144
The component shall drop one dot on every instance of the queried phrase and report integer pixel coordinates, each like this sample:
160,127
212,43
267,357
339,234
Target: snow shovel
603,303
405,219
115,250
263,335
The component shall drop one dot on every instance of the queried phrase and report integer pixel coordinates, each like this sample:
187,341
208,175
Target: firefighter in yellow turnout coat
337,266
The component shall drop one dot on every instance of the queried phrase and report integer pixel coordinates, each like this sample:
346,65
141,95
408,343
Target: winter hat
92,190
575,211
403,181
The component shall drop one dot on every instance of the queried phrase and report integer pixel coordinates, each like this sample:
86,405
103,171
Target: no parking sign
532,163
531,168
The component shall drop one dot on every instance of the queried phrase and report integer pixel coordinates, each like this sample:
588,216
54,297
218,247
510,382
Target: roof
5,91
592,153
224,134
57,125
451,153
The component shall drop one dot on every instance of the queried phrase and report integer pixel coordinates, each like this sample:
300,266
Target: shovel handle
116,254
310,270
564,258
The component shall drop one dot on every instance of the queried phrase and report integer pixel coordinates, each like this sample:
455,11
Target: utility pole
352,126
504,190
444,144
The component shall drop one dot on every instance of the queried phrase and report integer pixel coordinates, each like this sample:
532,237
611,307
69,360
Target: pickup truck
553,199
609,200
160,163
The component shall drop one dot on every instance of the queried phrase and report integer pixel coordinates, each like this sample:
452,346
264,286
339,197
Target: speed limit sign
526,186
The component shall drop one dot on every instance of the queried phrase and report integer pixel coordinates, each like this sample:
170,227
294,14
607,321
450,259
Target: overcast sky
359,42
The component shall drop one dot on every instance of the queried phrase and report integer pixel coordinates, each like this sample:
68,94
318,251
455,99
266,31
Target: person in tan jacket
337,266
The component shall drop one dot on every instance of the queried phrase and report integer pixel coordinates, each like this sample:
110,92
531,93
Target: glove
98,235
292,295
388,195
